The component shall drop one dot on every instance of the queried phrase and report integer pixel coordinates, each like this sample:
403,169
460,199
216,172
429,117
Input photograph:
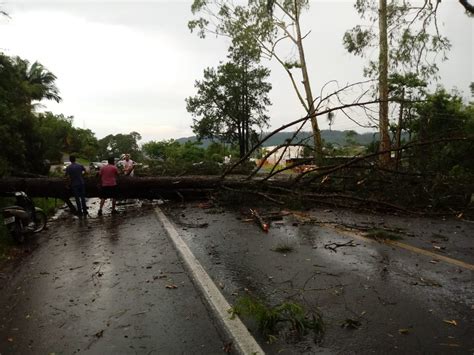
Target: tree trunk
318,144
383,84
398,153
164,187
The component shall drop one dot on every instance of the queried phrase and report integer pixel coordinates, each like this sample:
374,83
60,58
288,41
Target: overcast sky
127,66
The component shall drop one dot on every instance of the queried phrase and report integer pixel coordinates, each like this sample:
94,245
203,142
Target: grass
287,318
48,205
380,234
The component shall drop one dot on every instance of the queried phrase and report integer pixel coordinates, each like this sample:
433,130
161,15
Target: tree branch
469,7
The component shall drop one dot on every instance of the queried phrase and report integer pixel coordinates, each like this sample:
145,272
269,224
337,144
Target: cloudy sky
127,66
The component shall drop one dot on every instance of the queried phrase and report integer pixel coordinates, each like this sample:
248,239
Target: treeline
333,137
31,140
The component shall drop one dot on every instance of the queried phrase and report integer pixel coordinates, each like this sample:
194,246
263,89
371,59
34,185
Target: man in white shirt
128,165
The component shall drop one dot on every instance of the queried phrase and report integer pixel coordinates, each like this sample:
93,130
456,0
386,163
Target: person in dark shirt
75,172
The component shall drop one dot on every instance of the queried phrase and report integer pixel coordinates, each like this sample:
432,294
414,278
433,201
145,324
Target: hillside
334,137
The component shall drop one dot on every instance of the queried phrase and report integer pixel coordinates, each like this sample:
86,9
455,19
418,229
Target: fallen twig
334,246
259,220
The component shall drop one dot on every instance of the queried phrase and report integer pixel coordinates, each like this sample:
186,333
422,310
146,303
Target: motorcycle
23,217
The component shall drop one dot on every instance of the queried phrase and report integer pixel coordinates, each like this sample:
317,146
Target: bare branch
468,6
305,118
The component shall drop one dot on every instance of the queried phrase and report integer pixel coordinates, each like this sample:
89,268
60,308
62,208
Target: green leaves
357,40
414,41
273,320
231,101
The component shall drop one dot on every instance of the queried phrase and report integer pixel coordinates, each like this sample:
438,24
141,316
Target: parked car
65,165
95,165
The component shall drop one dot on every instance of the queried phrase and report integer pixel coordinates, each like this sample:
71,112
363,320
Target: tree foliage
258,29
17,123
118,144
444,115
38,82
29,138
414,40
231,102
59,136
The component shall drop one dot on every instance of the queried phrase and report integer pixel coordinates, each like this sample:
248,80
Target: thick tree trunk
133,187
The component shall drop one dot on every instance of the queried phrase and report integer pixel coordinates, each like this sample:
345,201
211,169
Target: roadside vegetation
287,320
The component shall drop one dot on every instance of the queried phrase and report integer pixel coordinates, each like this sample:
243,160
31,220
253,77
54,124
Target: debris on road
206,205
333,246
259,220
351,324
227,348
404,331
451,322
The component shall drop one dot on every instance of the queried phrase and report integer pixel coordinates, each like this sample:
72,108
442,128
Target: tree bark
398,152
133,187
469,7
383,84
318,144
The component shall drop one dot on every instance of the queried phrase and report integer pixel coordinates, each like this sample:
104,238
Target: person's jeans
79,192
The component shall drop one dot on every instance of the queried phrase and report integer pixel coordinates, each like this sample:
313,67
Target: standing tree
408,41
230,102
116,145
258,28
39,81
20,85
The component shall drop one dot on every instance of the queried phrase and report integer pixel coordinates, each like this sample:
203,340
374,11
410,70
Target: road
110,285
410,296
116,285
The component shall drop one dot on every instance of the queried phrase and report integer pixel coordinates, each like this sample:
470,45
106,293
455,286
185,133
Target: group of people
108,182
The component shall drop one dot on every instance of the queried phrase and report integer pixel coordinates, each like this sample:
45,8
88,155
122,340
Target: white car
65,165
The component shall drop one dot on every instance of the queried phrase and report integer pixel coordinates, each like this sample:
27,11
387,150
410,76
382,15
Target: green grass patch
48,205
380,234
288,318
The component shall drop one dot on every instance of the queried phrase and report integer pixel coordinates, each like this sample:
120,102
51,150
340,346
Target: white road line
243,341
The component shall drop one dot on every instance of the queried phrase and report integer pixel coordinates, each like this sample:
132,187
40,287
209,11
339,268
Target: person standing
128,165
108,182
75,173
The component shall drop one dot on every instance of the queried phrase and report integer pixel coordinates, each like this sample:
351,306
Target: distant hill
334,137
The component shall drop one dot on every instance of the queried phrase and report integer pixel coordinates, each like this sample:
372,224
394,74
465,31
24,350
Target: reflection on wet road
108,285
403,301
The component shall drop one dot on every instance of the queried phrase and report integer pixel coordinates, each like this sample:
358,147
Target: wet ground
373,297
114,284
109,285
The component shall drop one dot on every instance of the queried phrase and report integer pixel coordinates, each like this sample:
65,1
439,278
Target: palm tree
39,81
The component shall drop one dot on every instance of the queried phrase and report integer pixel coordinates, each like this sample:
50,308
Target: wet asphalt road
109,285
399,302
114,285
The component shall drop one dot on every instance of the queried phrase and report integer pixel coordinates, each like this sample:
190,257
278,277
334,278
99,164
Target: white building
290,152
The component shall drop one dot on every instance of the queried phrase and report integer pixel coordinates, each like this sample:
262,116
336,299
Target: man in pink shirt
108,181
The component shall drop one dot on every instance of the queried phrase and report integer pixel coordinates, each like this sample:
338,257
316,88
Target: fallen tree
135,187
